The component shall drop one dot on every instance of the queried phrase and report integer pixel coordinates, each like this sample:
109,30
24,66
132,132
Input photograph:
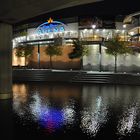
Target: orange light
50,20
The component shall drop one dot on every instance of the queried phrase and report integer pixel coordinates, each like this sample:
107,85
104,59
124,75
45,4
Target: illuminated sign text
51,27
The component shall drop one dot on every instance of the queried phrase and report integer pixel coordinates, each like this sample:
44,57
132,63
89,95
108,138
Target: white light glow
85,30
127,122
124,26
131,33
97,30
93,26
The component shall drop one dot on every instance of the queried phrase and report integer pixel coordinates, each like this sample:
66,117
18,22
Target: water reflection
20,93
95,111
92,120
69,113
50,117
52,109
128,121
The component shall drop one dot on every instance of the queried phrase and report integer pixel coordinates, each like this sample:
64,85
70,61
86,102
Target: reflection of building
104,104
91,30
51,106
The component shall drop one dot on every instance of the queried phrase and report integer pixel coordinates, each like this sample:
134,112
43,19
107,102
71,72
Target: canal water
44,111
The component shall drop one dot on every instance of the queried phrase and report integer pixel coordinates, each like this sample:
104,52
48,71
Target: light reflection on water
92,118
88,110
128,121
50,117
50,112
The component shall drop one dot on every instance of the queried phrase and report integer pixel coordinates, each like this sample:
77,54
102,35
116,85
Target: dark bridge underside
14,11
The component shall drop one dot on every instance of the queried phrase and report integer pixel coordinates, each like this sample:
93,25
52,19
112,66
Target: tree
115,47
53,50
79,50
24,51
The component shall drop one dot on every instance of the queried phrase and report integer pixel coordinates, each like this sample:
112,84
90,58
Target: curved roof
128,19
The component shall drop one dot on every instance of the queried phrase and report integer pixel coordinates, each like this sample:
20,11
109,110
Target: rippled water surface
45,111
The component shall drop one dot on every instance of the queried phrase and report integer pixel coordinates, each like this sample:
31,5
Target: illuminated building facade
93,31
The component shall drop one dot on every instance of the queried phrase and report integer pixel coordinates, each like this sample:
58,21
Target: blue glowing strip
59,23
46,23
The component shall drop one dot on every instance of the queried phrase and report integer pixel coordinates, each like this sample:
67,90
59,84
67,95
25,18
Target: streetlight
93,26
124,26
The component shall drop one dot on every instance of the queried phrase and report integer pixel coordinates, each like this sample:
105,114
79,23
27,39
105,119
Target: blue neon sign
51,27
